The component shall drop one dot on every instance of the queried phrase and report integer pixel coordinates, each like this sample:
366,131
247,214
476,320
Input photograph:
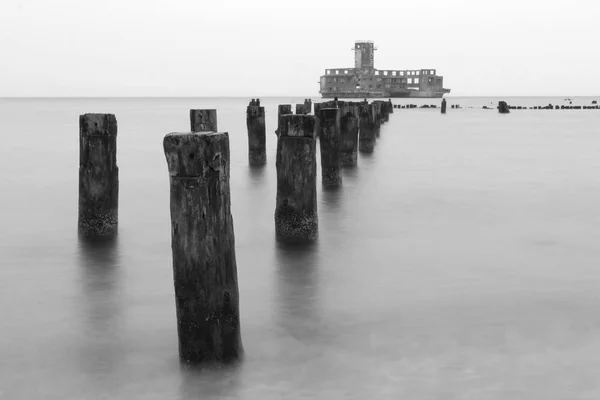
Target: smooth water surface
458,261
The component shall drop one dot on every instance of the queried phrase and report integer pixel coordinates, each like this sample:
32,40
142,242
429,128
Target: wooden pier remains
257,134
330,145
203,120
203,247
349,134
98,176
296,218
367,128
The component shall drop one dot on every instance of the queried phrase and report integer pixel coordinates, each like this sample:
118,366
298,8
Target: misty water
458,261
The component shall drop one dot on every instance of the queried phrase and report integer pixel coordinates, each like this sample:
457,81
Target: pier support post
98,176
296,218
503,107
308,106
203,120
390,106
377,115
384,111
282,109
330,143
443,106
367,134
255,122
349,133
301,109
203,247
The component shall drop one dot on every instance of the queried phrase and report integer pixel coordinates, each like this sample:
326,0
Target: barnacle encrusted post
98,176
203,247
296,217
330,144
257,140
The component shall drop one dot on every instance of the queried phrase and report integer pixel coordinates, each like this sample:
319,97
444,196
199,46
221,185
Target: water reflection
210,381
298,290
256,173
100,307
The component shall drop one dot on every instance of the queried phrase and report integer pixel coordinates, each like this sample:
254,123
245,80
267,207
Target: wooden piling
301,109
203,247
330,146
98,176
282,109
443,106
296,218
203,120
307,106
255,122
366,132
378,118
349,132
503,107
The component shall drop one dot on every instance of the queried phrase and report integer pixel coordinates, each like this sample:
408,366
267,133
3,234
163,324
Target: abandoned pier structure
202,233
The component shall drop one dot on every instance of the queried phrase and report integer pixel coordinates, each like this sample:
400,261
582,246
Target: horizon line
268,96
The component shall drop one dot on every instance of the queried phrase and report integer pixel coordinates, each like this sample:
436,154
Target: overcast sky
267,48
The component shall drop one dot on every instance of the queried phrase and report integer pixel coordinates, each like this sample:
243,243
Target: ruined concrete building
364,81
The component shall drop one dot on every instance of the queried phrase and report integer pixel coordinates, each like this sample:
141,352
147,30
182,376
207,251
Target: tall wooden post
367,134
349,134
377,117
98,176
203,120
296,218
282,109
255,122
384,115
391,106
203,247
330,142
443,106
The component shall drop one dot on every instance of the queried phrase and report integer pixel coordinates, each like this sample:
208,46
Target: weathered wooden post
385,112
366,139
301,109
503,107
308,105
203,120
391,106
317,107
377,117
98,176
349,133
282,109
296,218
443,106
203,247
330,143
255,122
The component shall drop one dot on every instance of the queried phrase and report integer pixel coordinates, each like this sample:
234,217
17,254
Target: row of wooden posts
202,233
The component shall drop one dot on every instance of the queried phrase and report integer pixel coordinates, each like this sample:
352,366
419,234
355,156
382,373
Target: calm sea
461,260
